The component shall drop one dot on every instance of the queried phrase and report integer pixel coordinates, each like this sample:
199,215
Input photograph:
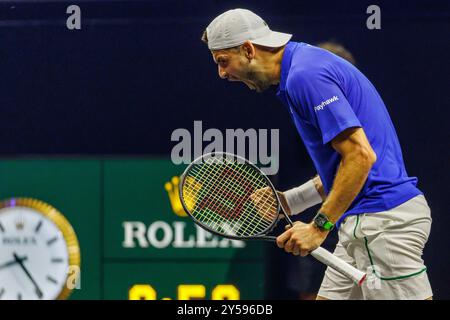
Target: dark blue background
138,70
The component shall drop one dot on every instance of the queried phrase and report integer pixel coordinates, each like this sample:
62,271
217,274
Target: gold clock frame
51,213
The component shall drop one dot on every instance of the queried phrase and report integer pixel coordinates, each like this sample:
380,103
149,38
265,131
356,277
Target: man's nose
222,73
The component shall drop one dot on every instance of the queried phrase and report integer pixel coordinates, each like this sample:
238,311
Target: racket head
215,190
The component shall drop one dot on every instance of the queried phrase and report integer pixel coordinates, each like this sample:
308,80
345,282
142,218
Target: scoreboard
133,244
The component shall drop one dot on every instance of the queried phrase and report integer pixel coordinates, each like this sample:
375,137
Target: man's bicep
353,141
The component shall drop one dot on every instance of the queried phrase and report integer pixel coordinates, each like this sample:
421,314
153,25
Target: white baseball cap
233,27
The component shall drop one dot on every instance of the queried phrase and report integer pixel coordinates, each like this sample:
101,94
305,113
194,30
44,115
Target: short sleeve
321,100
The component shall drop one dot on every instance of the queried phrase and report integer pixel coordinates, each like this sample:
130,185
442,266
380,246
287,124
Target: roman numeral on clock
57,260
52,280
51,241
38,227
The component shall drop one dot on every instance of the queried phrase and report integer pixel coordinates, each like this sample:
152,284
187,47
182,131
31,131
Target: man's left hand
301,238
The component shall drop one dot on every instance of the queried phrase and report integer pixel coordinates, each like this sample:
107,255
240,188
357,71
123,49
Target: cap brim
273,40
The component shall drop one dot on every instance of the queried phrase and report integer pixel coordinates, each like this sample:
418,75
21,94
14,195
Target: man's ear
249,50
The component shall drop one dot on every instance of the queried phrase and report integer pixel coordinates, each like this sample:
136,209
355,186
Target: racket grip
332,261
339,265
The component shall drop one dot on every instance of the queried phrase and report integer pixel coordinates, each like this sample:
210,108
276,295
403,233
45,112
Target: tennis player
383,219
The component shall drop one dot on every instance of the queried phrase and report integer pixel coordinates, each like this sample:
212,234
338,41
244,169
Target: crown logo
172,188
174,196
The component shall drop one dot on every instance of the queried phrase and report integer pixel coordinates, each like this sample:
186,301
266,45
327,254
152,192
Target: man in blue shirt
382,217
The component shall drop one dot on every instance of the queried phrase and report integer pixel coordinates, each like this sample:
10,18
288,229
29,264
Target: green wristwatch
322,222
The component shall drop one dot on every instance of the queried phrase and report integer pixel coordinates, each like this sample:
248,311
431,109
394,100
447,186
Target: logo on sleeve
325,103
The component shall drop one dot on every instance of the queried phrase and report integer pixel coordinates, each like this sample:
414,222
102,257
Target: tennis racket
218,191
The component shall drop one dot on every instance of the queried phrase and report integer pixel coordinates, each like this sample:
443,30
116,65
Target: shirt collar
286,64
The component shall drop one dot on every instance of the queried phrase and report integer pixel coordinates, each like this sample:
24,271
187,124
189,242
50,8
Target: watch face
319,220
34,255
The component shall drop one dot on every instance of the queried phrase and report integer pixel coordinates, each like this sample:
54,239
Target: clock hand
11,263
37,289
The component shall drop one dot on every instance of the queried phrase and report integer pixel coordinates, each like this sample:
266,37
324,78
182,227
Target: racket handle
332,261
339,265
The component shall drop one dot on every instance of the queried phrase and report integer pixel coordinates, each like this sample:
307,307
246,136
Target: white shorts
388,245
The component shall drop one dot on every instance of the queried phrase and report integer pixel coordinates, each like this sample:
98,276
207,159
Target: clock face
34,258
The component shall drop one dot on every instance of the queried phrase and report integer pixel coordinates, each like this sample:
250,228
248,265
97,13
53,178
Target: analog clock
38,248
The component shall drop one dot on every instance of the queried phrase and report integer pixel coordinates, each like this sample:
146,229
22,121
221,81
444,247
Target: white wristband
301,198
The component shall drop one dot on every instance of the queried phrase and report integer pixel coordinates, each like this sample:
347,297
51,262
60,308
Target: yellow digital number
191,291
142,292
225,292
186,292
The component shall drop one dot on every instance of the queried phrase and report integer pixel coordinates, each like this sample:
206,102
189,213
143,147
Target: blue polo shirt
325,95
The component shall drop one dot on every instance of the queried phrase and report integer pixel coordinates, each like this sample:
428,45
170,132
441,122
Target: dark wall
137,71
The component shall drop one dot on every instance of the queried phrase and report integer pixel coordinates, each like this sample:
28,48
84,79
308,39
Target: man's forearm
350,178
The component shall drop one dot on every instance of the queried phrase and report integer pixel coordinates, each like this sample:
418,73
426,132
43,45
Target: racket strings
227,191
244,218
218,193
262,212
213,201
247,219
204,178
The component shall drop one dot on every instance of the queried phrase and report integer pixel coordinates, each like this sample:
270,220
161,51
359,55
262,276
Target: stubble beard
260,82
